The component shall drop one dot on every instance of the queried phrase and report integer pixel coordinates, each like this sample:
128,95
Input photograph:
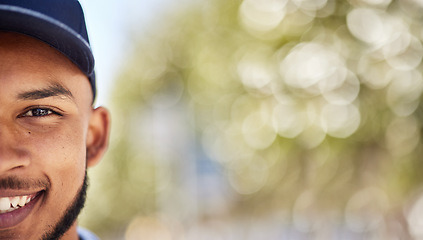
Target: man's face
46,131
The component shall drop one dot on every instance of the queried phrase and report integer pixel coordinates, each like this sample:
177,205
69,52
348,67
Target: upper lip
12,218
17,193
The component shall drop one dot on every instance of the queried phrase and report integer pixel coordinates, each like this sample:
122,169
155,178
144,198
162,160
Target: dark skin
49,135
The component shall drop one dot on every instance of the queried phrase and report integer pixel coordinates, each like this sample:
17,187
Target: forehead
19,48
27,63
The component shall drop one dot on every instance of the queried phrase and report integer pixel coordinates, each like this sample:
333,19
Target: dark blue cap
59,23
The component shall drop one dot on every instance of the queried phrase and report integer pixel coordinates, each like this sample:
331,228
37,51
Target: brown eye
38,112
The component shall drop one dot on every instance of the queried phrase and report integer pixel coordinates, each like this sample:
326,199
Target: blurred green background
266,119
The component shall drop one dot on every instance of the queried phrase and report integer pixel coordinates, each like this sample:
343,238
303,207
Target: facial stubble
70,215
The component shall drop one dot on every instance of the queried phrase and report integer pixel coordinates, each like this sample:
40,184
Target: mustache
16,183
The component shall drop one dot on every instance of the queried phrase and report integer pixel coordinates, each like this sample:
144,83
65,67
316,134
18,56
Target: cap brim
52,32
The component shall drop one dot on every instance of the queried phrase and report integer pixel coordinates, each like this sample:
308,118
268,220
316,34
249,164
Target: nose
12,152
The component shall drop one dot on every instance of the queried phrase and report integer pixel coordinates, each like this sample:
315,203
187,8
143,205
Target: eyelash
39,112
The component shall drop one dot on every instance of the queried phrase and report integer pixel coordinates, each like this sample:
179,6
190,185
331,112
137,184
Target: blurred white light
149,228
368,25
340,120
297,21
257,130
225,146
374,72
262,15
248,178
415,218
403,94
254,68
346,93
304,213
289,120
334,80
410,56
398,43
377,2
313,133
254,75
312,136
364,210
311,65
310,5
327,10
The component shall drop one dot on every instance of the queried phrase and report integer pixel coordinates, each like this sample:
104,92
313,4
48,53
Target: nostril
13,157
17,167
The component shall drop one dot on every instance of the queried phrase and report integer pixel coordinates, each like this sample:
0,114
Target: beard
70,215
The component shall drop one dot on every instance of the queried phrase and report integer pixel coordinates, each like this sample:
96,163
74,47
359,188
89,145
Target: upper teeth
8,204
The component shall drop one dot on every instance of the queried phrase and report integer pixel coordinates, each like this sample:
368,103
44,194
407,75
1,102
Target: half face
45,130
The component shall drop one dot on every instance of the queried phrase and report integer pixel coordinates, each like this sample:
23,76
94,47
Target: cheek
61,150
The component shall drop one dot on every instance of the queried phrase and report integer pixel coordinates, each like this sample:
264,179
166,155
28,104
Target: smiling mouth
9,204
15,208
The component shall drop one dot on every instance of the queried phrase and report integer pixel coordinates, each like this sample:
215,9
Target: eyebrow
54,90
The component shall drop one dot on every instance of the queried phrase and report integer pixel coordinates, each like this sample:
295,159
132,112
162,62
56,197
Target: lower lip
13,218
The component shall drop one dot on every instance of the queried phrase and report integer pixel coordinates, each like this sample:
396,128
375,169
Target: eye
38,112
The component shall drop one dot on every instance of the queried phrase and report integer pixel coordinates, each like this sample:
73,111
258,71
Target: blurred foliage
311,108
